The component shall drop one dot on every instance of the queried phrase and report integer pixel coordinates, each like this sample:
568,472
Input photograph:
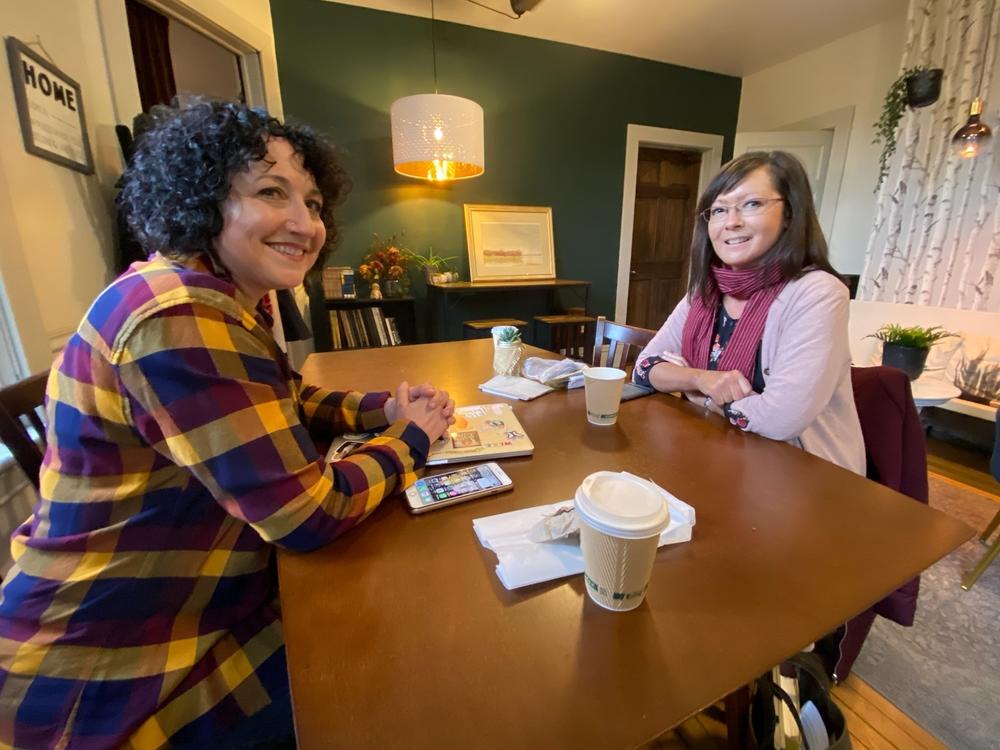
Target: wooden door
665,196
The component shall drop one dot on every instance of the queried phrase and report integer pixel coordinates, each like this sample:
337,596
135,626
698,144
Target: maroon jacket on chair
897,458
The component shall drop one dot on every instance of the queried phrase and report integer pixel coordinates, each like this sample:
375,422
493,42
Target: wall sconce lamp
973,137
437,137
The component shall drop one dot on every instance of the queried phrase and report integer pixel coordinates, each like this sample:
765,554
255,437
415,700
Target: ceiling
724,36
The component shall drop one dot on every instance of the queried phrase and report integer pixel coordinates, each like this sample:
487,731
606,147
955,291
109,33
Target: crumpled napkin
554,373
522,562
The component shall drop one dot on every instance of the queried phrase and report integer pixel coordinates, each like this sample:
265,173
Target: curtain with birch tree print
935,239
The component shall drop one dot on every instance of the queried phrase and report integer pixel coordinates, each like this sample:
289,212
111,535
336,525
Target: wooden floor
873,722
962,465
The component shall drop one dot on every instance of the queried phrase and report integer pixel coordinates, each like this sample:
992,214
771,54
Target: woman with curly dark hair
142,606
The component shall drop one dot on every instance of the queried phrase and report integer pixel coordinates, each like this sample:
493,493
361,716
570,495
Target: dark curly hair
183,164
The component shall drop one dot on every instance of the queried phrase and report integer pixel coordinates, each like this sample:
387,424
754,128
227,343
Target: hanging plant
917,86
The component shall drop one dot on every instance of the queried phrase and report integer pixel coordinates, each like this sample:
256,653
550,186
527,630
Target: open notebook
481,433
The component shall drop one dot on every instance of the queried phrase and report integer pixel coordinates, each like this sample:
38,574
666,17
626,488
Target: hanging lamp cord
986,51
434,51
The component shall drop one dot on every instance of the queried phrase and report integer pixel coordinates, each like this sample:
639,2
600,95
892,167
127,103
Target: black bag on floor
814,685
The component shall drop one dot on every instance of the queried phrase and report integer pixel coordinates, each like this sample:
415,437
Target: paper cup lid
622,505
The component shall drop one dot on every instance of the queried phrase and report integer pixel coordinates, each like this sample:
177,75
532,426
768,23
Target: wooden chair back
569,335
624,343
21,408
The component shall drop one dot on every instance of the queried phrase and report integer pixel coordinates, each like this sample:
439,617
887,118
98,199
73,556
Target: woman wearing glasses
761,336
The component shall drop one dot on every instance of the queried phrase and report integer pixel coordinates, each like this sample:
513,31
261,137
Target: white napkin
522,562
512,386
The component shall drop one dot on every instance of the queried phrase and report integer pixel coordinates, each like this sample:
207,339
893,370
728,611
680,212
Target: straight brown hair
801,245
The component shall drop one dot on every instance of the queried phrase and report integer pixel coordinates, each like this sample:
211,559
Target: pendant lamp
973,137
437,137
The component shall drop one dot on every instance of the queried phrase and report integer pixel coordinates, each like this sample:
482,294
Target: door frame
709,145
839,121
253,46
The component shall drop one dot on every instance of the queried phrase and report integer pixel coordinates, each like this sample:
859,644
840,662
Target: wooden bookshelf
365,323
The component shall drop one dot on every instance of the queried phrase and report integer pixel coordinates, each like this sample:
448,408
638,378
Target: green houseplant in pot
507,349
918,86
435,267
906,348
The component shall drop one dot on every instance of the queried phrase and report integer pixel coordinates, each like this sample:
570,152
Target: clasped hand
723,387
429,408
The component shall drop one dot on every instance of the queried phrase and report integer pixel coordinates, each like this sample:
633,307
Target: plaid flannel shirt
142,604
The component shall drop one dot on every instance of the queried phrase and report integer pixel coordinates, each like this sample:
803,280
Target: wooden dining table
400,634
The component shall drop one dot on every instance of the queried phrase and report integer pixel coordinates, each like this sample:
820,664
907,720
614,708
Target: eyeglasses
750,207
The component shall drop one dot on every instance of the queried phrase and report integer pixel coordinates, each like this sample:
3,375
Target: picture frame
49,109
509,243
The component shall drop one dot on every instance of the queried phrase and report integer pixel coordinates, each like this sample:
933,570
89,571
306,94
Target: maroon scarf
758,285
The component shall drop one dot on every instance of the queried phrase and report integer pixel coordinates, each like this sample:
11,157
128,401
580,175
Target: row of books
338,282
362,326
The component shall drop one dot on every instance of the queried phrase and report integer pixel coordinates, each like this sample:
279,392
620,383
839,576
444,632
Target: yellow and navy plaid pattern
142,605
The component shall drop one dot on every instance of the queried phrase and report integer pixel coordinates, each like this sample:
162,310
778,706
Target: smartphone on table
457,486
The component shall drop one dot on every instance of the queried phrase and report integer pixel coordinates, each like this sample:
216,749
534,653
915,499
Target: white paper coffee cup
603,387
621,517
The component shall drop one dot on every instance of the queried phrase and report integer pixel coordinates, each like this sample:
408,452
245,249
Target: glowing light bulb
970,139
438,133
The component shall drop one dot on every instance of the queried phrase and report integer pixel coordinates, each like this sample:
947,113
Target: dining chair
992,549
624,342
21,427
896,456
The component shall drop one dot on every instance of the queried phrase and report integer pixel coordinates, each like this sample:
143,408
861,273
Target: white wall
56,246
854,71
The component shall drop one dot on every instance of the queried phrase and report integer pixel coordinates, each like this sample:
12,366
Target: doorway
173,59
666,192
690,159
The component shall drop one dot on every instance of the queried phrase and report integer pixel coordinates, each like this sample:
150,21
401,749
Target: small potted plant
435,267
507,349
918,86
906,348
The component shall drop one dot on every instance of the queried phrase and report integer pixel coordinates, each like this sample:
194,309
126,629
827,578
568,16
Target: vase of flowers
387,264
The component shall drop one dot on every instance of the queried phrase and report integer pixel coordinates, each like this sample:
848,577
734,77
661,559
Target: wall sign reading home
50,109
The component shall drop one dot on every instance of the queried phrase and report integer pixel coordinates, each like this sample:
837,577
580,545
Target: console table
442,299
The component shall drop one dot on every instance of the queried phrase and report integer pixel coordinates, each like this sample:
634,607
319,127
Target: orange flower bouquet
387,265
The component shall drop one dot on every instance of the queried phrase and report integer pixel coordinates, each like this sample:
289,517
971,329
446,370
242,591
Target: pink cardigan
806,359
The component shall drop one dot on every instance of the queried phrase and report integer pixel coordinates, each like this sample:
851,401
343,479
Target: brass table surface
399,634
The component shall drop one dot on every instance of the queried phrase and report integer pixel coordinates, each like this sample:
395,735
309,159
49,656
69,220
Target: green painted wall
556,117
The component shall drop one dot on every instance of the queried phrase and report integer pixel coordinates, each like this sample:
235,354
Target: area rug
944,672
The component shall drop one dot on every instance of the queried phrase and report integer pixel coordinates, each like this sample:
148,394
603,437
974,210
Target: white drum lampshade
437,137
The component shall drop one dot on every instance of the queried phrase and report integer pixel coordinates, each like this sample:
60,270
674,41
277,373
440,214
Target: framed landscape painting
509,243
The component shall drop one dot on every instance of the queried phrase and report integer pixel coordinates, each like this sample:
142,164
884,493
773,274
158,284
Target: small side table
930,389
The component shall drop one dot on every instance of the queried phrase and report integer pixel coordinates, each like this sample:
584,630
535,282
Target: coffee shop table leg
738,719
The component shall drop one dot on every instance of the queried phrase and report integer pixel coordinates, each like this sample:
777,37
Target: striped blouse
142,604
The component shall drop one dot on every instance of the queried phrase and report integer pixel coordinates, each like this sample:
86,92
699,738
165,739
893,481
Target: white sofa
867,317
